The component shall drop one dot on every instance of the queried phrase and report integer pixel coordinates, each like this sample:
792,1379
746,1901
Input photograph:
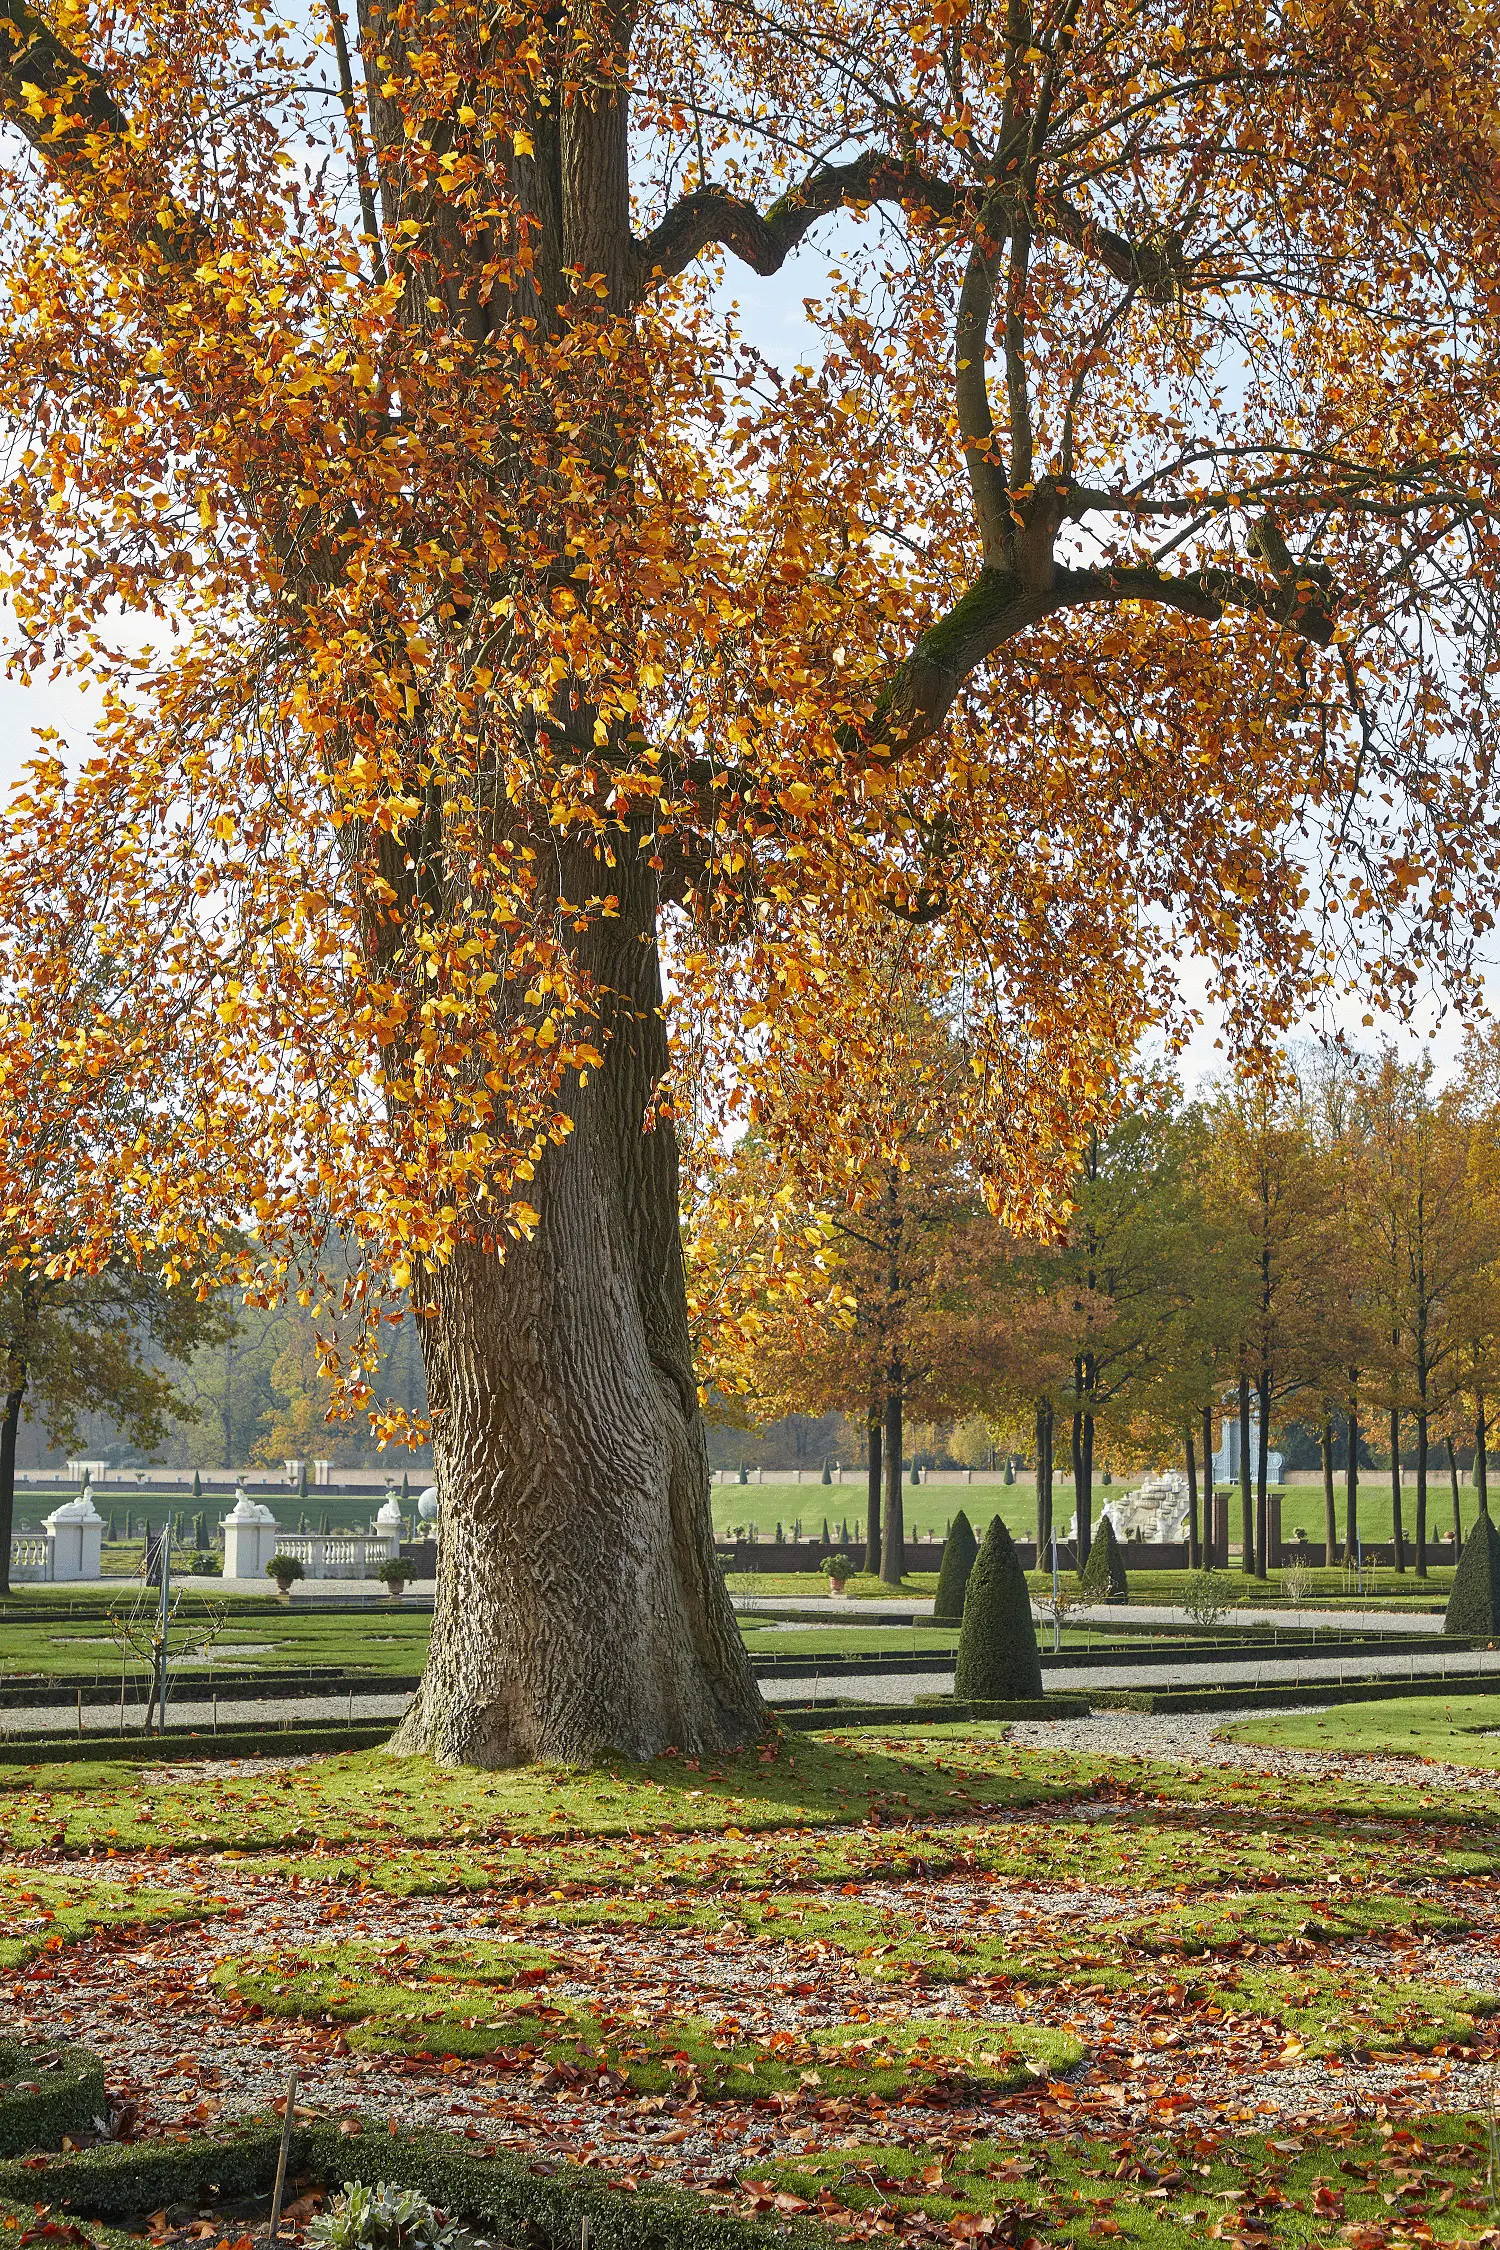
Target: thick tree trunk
1398,1528
1247,1502
1330,1505
1210,1551
1262,1467
1351,1474
1194,1551
893,1520
579,1610
874,1434
9,1431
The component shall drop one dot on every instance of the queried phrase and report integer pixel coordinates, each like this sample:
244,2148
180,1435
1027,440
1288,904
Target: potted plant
393,1574
837,1569
286,1570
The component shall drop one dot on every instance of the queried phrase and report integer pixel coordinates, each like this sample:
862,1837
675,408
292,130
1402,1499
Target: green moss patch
42,1909
1160,2190
481,2000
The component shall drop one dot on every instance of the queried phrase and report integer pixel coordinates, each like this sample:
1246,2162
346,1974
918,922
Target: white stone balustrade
30,1558
335,1554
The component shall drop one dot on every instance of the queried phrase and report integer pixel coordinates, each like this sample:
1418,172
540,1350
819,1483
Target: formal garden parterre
929,1983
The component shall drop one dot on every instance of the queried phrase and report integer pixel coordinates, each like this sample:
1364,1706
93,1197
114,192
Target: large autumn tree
1122,548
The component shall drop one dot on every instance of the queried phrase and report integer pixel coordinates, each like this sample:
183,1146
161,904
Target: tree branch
65,109
1001,604
1158,269
764,240
976,425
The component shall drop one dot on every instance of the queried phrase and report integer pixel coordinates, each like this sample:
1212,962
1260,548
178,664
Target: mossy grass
1156,2190
998,1660
369,1813
1161,2188
959,1552
1103,1575
365,1798
478,2000
1456,1730
502,2194
41,1909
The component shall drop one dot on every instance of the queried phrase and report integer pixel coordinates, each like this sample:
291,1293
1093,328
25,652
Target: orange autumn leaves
1113,572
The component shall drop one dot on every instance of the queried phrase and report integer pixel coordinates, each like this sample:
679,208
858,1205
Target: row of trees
200,1382
1318,1244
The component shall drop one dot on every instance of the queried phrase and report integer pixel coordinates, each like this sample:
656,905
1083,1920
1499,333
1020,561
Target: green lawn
1460,1730
258,1633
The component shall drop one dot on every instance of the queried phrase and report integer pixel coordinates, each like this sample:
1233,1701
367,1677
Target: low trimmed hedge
937,1710
163,1749
46,2092
539,2206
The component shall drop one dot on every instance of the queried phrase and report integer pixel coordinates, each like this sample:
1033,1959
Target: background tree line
1311,1247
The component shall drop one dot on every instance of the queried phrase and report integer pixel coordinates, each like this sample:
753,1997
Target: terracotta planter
836,1586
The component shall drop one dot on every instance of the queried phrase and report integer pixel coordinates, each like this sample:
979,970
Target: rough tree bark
579,1609
1194,1551
874,1435
1398,1528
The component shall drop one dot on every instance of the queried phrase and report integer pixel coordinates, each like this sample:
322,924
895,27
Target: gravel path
1354,1619
174,2045
1192,1737
188,1711
1252,1671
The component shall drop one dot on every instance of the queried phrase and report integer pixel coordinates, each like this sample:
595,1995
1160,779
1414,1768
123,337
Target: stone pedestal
76,1533
249,1538
1219,1520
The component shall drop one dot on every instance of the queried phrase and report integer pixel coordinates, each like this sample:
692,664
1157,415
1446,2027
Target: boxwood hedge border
531,2205
47,2090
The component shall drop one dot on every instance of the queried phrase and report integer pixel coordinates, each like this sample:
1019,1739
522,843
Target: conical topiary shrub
997,1651
959,1551
1103,1574
1474,1604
